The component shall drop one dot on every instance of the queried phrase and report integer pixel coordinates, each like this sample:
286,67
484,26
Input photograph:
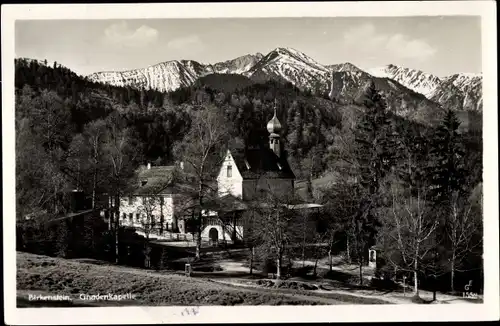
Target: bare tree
39,169
202,151
121,155
277,226
251,235
149,209
95,133
85,163
347,206
462,227
408,232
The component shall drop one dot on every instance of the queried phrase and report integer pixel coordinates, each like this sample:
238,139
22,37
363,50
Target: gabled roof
261,162
227,203
155,180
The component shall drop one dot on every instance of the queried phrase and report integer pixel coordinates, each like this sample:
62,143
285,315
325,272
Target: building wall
232,185
205,234
278,186
251,188
136,206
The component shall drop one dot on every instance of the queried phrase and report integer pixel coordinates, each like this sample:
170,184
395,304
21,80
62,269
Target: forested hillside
417,186
54,106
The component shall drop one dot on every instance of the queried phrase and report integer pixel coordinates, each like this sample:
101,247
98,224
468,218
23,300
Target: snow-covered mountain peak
416,80
239,65
346,66
291,55
461,91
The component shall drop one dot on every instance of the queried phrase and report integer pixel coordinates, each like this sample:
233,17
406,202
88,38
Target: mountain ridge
460,91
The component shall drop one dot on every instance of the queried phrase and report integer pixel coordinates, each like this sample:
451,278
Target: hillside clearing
66,277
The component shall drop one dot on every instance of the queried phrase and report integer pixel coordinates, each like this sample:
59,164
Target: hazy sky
439,45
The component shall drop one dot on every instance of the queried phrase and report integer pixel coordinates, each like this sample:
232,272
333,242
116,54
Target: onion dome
274,125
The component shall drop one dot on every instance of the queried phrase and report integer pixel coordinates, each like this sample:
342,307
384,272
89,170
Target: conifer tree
446,170
448,176
374,149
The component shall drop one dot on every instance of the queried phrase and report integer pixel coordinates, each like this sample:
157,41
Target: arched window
229,171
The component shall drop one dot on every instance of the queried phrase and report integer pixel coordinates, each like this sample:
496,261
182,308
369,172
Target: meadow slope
67,277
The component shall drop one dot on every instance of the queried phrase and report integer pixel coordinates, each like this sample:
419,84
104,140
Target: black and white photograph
250,161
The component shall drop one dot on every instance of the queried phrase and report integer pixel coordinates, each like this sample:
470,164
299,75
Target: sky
438,45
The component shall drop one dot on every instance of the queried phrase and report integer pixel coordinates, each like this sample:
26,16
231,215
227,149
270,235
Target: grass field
66,277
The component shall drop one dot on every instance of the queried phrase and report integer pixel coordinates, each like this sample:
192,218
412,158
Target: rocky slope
292,66
171,75
407,89
458,92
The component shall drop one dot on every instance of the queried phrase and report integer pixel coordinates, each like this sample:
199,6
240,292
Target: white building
151,203
244,175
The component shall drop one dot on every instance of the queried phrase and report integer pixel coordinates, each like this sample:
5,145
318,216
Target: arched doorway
213,234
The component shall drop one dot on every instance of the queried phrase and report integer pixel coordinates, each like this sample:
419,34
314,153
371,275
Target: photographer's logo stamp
468,294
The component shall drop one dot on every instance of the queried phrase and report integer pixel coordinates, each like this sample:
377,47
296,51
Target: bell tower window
229,172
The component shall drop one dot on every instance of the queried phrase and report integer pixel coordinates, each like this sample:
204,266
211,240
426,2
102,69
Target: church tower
274,128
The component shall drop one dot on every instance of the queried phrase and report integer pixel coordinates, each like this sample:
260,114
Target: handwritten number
190,311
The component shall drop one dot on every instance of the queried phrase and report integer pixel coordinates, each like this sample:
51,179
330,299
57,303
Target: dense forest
73,133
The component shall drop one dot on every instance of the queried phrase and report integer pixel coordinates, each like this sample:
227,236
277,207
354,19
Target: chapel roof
274,125
254,163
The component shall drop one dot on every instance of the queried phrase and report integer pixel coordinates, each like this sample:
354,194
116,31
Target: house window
137,217
124,216
229,171
130,217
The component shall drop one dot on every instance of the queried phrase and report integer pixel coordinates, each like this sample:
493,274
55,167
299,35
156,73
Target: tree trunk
117,227
434,285
315,266
360,260
360,270
348,251
452,268
147,259
303,255
415,271
200,221
251,260
304,242
198,239
94,184
55,200
278,268
162,217
330,260
415,281
235,237
117,254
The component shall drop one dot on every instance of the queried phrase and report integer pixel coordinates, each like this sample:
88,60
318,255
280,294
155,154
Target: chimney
149,166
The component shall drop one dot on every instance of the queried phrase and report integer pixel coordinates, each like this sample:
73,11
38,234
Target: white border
140,315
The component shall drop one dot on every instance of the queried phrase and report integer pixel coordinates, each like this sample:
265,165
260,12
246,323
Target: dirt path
249,288
349,297
239,287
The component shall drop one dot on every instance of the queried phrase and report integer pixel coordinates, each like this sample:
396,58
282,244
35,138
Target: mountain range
407,90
